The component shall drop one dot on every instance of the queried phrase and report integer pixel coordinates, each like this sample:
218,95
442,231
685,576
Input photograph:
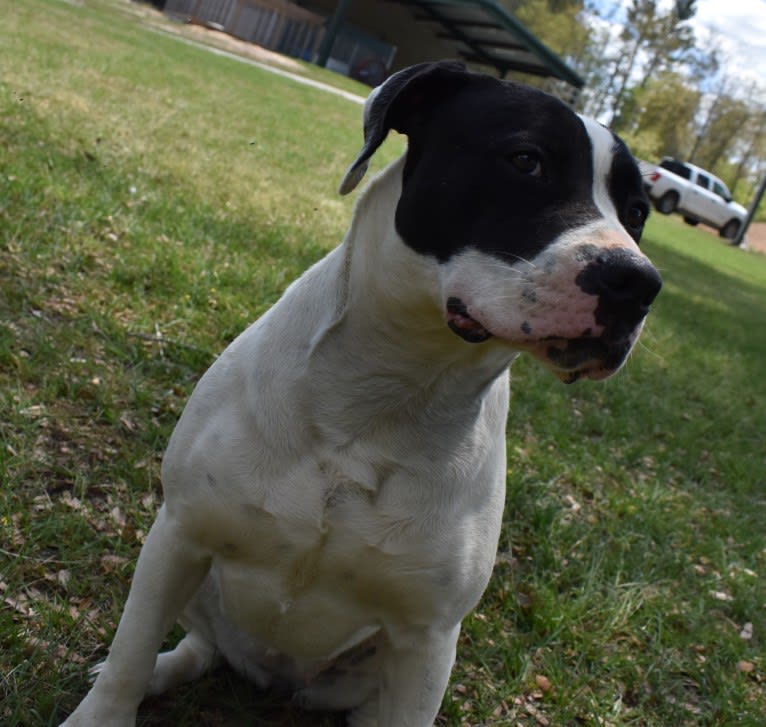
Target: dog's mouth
459,322
571,359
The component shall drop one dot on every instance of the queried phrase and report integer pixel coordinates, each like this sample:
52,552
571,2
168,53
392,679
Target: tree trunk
624,83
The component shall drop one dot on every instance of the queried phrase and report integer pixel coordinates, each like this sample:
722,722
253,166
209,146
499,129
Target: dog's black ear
396,104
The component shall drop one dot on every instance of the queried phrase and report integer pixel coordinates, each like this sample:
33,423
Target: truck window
721,191
677,168
703,181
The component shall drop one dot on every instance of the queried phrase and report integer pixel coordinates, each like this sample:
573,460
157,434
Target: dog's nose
622,278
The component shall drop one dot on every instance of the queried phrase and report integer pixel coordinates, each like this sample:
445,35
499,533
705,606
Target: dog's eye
636,216
527,162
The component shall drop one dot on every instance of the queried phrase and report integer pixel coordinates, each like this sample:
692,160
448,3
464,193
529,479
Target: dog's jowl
334,488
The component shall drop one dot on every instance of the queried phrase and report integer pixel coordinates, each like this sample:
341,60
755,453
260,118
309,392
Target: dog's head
532,213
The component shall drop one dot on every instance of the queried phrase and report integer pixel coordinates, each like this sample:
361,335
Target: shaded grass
154,201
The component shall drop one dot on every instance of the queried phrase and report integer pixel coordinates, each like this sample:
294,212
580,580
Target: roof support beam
504,67
332,32
479,24
487,43
457,34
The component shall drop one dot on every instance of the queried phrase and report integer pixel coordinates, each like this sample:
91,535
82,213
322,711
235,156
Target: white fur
334,488
335,481
603,142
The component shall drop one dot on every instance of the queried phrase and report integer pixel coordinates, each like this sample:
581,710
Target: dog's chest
312,577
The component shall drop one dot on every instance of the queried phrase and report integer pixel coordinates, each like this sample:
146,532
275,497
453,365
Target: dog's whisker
646,348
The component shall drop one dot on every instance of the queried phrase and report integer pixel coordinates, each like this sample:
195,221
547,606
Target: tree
729,117
591,67
670,40
560,24
754,150
652,40
712,109
662,117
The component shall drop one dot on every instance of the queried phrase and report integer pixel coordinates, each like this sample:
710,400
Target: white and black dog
334,488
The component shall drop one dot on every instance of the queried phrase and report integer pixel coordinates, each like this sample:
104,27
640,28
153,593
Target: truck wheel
667,203
691,221
729,230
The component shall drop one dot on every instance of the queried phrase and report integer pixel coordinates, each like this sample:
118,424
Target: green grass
154,199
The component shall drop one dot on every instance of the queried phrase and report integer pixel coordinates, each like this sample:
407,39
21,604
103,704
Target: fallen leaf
110,563
60,577
118,516
20,604
573,504
71,502
722,596
543,682
35,410
499,711
747,632
539,717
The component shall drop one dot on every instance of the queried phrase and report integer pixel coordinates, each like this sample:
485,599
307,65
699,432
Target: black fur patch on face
626,189
496,166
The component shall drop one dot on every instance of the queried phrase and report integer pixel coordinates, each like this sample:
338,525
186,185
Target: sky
741,29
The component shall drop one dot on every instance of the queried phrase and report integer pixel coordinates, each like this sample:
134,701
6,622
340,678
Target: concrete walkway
263,66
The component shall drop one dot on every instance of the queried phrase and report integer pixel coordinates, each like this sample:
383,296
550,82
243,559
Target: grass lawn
155,199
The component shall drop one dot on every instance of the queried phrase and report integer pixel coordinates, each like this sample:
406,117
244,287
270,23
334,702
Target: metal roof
487,34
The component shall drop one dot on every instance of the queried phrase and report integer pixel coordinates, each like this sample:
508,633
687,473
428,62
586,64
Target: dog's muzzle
625,285
592,358
620,285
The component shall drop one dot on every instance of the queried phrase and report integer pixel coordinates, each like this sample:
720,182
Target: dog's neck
390,305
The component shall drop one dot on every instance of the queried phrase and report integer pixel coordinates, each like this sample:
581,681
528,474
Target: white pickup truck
699,196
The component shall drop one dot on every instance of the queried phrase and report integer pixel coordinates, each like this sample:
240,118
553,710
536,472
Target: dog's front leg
415,673
169,570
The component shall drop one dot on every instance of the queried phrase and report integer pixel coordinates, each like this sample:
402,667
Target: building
369,39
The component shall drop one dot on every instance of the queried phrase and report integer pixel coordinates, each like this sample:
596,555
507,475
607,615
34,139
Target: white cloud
739,27
736,27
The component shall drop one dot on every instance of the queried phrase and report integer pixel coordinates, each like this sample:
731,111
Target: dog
335,485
